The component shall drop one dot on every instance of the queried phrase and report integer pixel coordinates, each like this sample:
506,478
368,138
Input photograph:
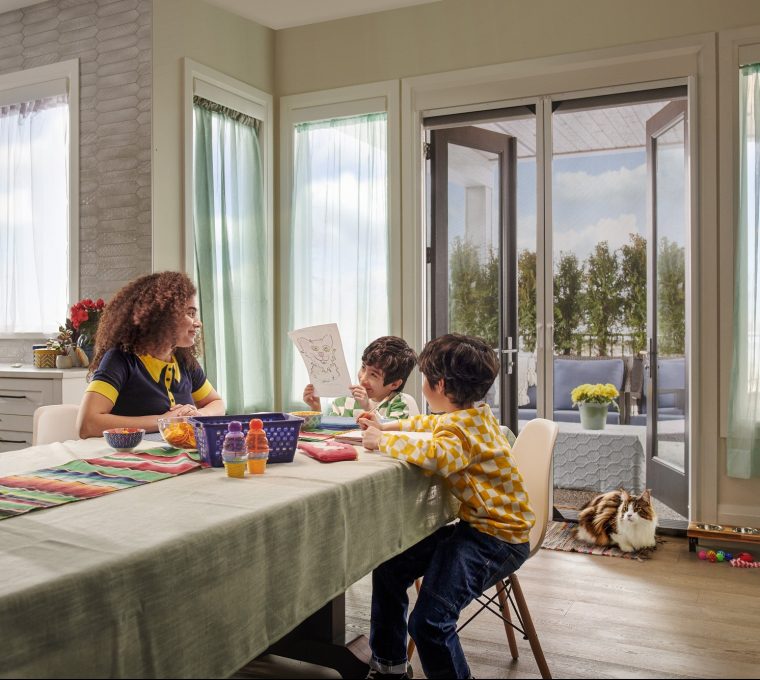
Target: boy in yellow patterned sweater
463,559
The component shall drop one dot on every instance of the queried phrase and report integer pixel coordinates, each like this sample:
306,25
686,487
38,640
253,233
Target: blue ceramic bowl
123,438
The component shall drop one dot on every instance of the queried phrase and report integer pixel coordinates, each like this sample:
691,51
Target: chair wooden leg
410,646
509,630
530,631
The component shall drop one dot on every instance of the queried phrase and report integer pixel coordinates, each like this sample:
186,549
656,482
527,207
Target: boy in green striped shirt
386,365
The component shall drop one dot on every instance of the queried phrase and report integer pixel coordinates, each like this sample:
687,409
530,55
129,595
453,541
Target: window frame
227,91
379,97
735,49
61,78
603,71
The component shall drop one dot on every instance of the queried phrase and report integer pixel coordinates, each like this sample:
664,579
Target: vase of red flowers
84,318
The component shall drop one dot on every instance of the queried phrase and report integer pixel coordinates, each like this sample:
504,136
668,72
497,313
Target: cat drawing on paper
620,518
319,356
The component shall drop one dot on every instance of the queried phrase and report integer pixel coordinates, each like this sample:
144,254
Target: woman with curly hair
145,365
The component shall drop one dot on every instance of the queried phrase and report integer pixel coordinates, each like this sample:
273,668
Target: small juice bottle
233,450
257,446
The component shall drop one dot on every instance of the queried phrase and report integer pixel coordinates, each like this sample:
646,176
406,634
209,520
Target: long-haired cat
620,518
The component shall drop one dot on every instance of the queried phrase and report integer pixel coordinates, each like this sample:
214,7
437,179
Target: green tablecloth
196,575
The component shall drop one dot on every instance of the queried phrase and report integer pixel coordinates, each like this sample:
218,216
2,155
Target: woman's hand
183,410
371,438
311,398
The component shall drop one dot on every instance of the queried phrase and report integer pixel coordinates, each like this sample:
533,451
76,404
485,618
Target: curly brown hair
144,315
467,364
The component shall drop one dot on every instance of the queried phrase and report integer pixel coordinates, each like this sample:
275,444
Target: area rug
561,536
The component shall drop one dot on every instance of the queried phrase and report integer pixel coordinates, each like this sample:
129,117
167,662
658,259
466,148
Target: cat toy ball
719,556
745,561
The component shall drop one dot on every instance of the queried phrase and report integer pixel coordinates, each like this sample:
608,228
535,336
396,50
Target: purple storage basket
281,429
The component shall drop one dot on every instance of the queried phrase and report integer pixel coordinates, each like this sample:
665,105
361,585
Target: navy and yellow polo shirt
141,385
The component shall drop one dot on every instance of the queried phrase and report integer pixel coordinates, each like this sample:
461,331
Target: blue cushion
569,373
671,375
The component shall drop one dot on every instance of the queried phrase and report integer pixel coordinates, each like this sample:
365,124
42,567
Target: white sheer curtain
339,237
743,459
34,216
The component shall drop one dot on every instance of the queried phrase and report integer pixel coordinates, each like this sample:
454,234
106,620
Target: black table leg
321,640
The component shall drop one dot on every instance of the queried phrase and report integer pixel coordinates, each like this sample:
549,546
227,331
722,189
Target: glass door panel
667,413
473,267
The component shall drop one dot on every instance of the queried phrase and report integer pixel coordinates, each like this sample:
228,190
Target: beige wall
426,39
456,34
223,41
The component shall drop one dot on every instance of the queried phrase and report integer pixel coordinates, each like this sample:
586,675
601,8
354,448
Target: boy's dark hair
467,365
393,356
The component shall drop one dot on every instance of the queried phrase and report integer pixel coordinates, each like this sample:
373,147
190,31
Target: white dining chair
533,451
54,423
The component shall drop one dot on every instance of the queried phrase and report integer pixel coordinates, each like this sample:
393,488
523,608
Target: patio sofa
671,383
568,374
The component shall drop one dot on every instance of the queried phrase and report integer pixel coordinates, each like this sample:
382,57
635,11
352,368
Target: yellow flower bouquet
595,394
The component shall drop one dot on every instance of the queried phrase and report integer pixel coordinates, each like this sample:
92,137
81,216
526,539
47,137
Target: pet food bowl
746,530
123,438
710,527
311,419
177,431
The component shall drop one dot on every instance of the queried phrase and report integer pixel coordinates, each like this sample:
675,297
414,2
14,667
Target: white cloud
624,188
582,240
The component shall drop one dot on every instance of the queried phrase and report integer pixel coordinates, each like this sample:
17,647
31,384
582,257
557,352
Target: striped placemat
81,479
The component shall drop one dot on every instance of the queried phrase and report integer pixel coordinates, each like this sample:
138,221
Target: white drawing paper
322,351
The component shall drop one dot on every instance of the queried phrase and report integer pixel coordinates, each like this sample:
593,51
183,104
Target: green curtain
231,254
743,458
339,231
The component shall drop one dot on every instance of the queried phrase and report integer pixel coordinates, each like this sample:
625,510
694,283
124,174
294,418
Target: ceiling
279,14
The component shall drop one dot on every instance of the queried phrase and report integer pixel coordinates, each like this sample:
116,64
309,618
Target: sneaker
377,675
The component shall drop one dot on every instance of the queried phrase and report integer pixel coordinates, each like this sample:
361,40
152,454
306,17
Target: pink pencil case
329,452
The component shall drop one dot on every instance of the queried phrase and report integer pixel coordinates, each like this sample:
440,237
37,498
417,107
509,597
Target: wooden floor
673,616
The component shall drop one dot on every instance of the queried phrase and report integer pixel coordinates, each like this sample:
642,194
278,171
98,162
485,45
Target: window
231,236
744,406
38,198
340,245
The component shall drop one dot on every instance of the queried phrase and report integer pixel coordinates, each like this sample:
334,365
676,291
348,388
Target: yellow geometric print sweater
469,449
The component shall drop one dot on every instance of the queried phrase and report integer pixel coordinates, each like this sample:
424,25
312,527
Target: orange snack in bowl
181,435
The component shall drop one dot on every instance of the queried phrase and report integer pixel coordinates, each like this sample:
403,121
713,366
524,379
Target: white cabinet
23,389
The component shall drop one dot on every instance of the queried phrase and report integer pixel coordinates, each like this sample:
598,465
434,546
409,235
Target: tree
568,302
671,302
603,300
464,270
488,303
633,289
526,299
473,292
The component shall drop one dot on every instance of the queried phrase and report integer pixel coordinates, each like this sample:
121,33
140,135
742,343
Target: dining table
197,574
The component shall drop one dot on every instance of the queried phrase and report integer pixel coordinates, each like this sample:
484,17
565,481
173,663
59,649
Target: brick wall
112,40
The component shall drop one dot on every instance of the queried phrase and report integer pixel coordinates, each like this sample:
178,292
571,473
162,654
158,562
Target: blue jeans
459,563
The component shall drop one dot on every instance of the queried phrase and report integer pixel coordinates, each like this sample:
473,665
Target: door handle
510,363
